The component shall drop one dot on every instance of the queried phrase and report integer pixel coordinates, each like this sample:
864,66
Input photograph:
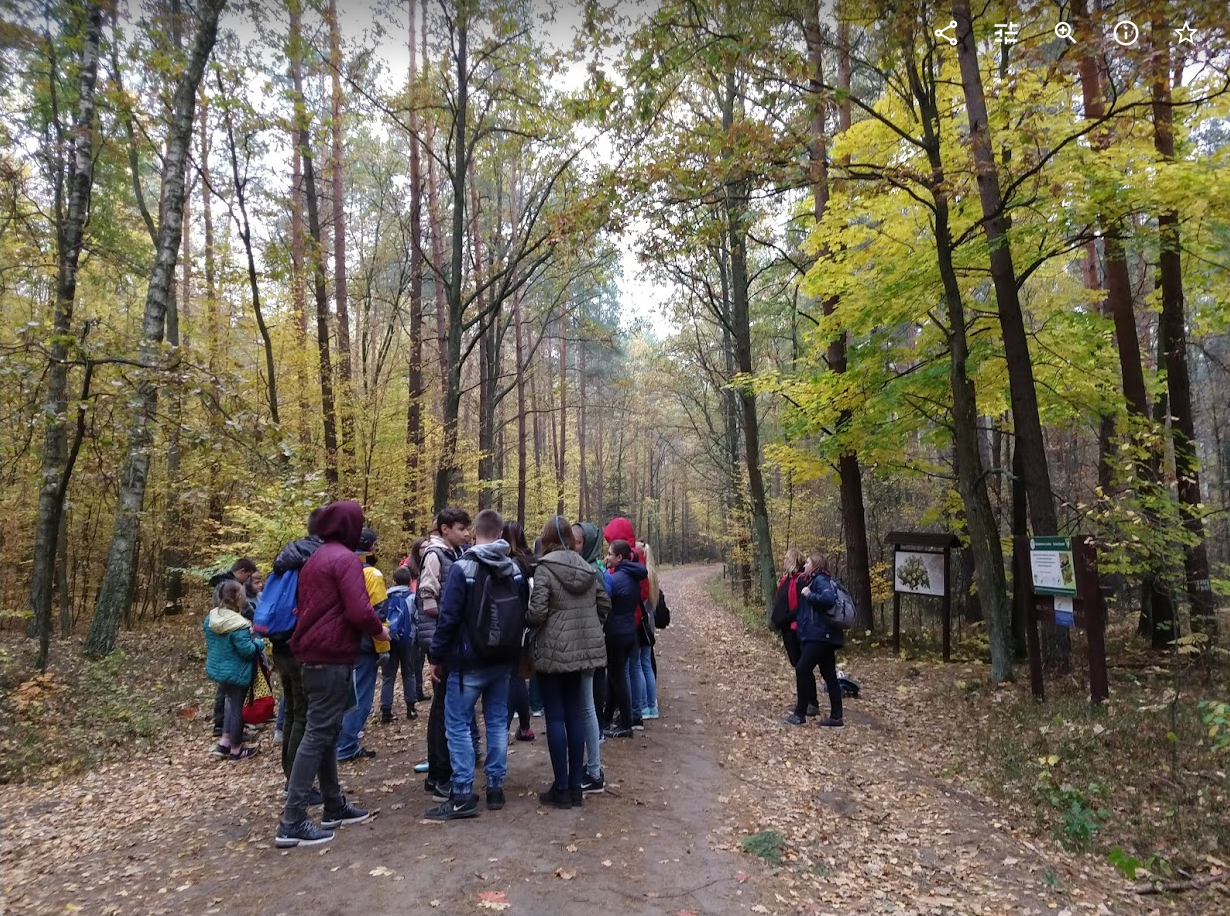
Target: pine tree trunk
414,408
562,467
1174,335
215,321
116,594
583,498
70,235
298,288
522,457
341,301
316,251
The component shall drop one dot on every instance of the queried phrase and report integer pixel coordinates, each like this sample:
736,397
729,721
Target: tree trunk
1023,393
562,467
298,286
116,594
70,234
1174,335
316,250
971,481
449,469
414,408
521,449
214,322
583,497
341,303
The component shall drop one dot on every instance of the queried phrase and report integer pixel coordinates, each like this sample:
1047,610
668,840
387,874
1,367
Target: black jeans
824,655
294,702
232,720
790,640
439,766
565,715
619,693
401,655
518,701
328,691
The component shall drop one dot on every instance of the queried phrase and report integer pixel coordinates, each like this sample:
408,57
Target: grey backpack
843,610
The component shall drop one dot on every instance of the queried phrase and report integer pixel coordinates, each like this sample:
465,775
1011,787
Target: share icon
943,33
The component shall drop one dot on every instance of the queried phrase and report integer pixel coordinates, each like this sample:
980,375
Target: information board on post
1052,566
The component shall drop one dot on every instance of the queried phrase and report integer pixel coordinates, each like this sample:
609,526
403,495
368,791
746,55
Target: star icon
1186,34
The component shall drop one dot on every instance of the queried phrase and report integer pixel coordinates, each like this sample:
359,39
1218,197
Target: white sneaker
277,736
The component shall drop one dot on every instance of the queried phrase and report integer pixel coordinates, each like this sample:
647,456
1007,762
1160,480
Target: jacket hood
342,522
570,568
636,570
591,542
223,620
495,556
218,578
397,589
619,529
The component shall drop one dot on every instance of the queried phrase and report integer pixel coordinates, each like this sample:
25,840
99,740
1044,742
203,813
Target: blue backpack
400,615
277,607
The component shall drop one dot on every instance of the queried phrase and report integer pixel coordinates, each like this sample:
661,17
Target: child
399,604
230,653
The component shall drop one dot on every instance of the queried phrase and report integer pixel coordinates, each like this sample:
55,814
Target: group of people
486,613
805,595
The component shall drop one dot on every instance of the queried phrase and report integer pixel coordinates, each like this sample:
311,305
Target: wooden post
1089,586
947,608
896,623
1023,592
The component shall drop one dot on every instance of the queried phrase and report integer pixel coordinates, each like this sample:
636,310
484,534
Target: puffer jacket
815,625
296,554
230,647
568,607
438,559
334,610
624,583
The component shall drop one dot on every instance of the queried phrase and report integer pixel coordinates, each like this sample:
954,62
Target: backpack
278,605
662,613
842,613
786,602
400,615
495,615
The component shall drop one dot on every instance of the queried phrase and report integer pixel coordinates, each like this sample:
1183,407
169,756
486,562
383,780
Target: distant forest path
860,821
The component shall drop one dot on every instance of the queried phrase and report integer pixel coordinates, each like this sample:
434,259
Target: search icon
1063,31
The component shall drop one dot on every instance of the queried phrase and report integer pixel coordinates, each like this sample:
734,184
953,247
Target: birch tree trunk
116,594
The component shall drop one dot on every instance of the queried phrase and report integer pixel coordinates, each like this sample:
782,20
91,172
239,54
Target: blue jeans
636,683
593,732
565,714
651,679
460,725
364,682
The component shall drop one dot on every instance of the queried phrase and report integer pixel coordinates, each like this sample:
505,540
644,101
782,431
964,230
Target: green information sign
1052,566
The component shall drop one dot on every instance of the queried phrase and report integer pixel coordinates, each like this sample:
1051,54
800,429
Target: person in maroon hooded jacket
334,613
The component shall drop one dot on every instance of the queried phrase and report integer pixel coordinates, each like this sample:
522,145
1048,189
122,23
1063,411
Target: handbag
662,613
260,705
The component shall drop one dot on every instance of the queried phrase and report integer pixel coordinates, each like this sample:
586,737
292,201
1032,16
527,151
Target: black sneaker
578,797
592,785
795,719
830,722
495,799
305,833
456,808
363,753
386,716
411,712
638,723
813,709
217,731
556,798
440,791
347,814
616,732
315,798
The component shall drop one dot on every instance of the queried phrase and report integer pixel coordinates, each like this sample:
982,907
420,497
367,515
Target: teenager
623,579
518,690
587,540
371,654
334,613
568,607
484,573
786,601
451,528
819,640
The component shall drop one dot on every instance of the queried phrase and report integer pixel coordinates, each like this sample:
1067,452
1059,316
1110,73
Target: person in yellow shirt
371,652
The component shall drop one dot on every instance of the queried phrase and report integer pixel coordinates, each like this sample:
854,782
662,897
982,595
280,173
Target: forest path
178,833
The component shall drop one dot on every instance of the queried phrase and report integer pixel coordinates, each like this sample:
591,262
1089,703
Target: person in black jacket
624,586
819,640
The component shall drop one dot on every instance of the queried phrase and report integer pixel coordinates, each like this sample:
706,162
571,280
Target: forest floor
717,808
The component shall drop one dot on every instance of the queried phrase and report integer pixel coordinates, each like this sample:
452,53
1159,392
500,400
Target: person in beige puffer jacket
568,607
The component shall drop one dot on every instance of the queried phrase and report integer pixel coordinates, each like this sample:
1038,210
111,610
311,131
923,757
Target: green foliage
1216,715
1131,867
767,844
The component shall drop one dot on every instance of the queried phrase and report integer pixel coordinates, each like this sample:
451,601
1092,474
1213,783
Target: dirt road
862,822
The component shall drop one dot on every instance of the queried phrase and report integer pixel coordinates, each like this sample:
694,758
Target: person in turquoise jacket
230,657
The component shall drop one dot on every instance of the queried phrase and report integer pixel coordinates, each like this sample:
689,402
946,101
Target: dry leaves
493,900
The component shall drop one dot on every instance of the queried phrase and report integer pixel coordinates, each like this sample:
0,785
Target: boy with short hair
401,651
484,573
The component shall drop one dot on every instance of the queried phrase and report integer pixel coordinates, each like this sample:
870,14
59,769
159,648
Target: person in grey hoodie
568,607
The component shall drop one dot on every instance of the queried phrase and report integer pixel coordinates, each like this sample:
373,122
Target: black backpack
495,615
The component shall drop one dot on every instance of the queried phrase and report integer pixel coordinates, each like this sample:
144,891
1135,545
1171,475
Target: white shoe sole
290,842
343,822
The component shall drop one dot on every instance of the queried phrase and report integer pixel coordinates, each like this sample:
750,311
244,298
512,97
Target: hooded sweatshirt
450,644
620,529
230,647
334,610
591,546
438,559
568,607
624,582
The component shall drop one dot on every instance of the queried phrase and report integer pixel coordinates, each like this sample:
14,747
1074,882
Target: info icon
1127,33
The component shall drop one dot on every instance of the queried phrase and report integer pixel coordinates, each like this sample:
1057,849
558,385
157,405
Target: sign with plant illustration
918,573
1050,562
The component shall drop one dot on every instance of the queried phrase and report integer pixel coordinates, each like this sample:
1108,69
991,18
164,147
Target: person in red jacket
334,613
